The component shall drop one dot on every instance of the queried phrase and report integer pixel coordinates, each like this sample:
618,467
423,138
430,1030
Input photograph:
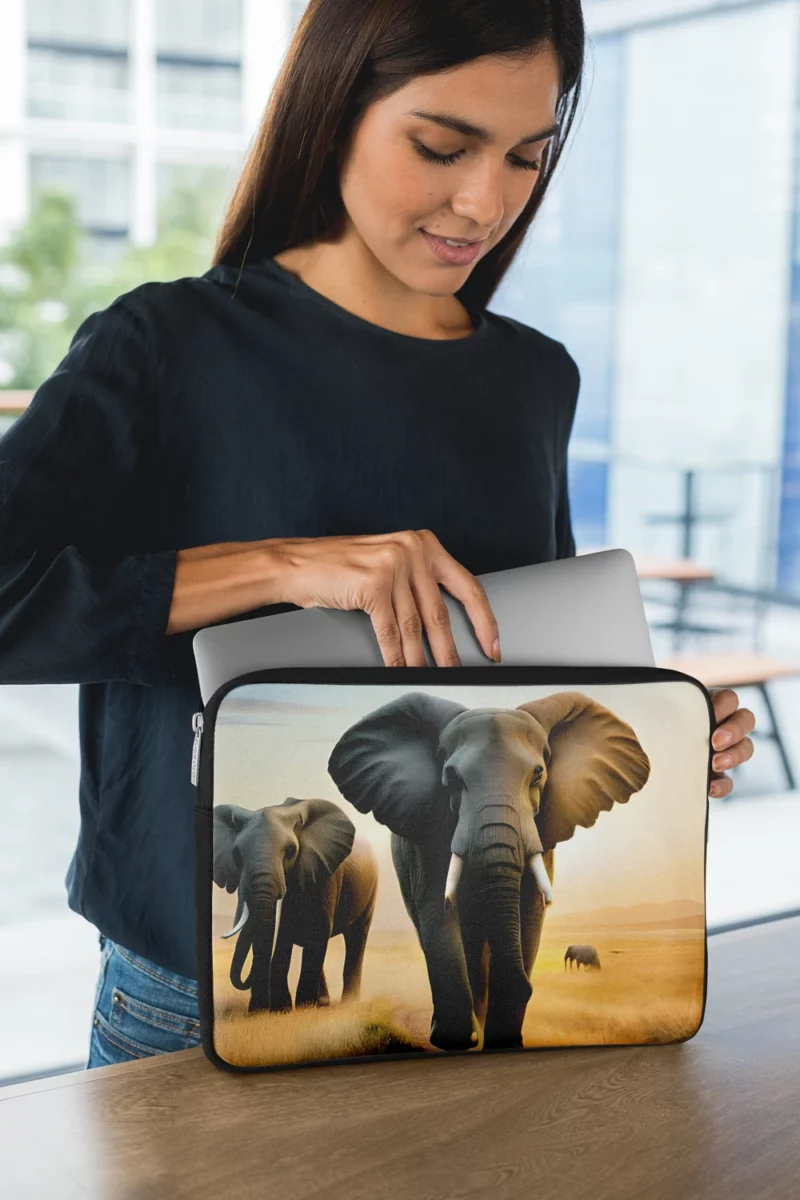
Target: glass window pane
80,22
210,185
205,28
77,87
198,96
101,186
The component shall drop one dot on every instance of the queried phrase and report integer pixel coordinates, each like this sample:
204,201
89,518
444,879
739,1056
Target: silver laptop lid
582,611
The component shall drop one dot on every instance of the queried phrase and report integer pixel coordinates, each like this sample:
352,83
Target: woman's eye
447,160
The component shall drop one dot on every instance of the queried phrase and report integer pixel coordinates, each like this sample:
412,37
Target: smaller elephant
585,956
302,877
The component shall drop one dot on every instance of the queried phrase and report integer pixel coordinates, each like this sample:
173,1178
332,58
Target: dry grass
649,990
348,1029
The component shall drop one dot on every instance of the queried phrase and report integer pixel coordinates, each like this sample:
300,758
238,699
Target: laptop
586,610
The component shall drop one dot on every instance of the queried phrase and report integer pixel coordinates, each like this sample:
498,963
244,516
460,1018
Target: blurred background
666,257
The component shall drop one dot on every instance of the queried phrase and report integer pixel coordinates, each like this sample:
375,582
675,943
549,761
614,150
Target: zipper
197,726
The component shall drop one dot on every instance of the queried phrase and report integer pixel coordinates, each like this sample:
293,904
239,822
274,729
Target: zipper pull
197,726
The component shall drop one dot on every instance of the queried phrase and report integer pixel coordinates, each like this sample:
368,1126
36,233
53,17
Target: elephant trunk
509,986
258,934
499,893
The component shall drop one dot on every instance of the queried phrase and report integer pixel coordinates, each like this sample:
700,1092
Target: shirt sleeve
82,598
565,539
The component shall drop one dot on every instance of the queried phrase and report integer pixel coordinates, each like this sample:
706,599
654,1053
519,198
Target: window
198,65
209,185
101,187
78,65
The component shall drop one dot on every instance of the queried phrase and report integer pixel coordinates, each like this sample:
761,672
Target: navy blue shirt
205,410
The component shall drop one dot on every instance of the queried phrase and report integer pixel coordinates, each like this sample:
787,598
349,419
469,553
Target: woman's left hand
729,738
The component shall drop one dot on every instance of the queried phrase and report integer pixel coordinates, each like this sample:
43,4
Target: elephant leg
476,953
355,940
280,998
314,952
421,873
509,993
453,1026
324,998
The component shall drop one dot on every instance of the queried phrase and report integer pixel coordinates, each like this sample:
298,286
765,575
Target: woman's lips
455,255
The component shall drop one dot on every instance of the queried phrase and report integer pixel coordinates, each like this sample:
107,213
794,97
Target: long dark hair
346,54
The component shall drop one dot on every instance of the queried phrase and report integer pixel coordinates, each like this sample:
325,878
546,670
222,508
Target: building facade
120,99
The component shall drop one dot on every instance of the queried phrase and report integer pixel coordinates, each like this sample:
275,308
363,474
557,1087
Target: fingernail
496,650
721,761
723,737
714,789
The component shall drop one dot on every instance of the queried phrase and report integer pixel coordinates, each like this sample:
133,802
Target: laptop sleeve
417,861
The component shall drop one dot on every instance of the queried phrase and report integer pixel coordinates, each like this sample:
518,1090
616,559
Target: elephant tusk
239,923
278,908
536,863
453,876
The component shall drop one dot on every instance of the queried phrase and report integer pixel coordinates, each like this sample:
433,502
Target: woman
328,417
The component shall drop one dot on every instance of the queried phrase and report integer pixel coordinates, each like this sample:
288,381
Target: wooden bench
741,670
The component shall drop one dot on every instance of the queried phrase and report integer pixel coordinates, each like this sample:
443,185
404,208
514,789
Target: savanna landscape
649,990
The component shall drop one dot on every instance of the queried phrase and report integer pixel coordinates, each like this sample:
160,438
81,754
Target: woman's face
393,189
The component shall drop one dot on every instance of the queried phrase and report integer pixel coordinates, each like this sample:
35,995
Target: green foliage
52,277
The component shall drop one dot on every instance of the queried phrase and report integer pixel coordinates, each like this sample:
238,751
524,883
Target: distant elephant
476,800
303,856
585,956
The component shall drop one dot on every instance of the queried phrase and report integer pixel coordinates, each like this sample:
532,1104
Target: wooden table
677,570
712,1118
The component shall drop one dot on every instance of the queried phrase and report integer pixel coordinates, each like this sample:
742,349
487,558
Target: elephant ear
229,820
325,834
595,761
388,763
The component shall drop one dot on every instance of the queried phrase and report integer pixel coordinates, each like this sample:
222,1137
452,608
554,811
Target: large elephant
302,877
476,800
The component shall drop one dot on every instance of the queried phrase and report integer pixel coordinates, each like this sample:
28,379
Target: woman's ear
595,760
229,821
387,763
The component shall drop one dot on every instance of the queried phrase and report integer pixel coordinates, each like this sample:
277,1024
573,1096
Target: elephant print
302,878
476,800
582,956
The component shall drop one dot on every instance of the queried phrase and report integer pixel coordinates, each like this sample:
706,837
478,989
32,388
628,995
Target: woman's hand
729,738
394,578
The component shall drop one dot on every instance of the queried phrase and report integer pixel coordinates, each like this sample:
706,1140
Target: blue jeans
140,1009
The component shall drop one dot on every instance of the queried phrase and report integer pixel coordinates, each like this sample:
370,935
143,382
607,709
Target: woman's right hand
394,578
